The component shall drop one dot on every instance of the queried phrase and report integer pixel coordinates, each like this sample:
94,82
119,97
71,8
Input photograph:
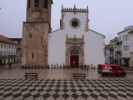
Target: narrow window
36,3
46,4
28,3
32,55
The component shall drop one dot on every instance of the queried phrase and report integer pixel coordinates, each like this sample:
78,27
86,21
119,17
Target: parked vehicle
117,70
104,69
111,70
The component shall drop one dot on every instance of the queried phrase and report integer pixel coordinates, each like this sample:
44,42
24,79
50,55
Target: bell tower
35,32
39,11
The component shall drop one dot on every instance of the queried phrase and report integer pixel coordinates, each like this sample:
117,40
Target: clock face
75,23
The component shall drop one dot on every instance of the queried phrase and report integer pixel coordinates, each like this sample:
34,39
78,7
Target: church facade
75,43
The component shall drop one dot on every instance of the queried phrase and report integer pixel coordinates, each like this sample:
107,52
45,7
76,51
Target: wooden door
74,60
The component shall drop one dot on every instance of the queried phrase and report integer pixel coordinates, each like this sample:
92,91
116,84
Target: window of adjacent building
120,38
5,46
46,4
1,45
125,37
126,47
36,3
13,46
8,46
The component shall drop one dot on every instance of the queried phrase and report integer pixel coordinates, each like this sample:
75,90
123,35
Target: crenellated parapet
75,9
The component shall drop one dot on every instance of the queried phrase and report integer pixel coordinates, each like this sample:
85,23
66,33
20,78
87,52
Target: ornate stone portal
74,51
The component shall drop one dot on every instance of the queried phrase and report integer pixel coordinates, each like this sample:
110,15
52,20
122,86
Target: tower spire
62,6
74,6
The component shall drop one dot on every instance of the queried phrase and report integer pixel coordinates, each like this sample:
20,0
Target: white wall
56,52
128,42
94,48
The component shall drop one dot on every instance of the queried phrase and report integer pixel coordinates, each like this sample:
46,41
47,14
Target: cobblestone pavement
57,84
105,89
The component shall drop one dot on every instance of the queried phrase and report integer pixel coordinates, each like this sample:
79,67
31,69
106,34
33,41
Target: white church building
75,43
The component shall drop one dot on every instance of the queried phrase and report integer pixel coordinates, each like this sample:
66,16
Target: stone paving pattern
105,89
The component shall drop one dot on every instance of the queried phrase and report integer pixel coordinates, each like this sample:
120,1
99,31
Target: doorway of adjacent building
74,60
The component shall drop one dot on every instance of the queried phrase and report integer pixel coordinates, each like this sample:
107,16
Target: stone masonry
35,32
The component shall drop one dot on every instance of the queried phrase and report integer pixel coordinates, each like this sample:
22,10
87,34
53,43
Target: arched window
46,4
36,3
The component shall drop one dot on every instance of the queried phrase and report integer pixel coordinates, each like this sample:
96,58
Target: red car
111,70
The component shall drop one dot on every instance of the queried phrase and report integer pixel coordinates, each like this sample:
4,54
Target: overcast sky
106,16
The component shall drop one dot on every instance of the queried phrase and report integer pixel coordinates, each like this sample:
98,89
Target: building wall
35,33
56,47
57,39
93,41
35,47
7,53
18,42
127,44
94,48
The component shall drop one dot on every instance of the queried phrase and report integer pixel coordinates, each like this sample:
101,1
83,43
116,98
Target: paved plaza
107,89
54,73
58,84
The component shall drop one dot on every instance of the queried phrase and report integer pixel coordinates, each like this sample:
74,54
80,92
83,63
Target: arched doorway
74,51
